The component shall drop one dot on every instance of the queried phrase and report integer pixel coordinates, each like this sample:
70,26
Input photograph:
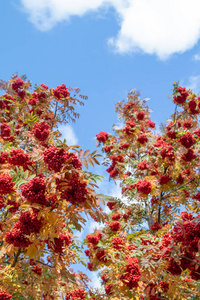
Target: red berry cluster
101,255
41,131
6,184
131,123
33,101
142,139
34,191
115,226
111,205
2,202
59,243
143,165
61,92
17,238
76,295
164,286
164,179
108,289
141,115
143,186
181,96
6,101
37,270
17,84
131,274
187,140
14,206
87,252
118,243
77,191
102,136
90,266
44,86
173,267
3,157
167,152
190,155
112,169
5,296
163,148
94,239
186,234
104,278
194,106
28,223
123,146
107,148
150,123
6,132
55,159
156,226
115,217
19,158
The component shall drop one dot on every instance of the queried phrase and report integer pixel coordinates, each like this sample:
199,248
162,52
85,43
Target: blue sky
106,48
57,42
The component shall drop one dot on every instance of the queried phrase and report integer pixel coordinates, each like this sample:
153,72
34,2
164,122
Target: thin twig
38,261
167,196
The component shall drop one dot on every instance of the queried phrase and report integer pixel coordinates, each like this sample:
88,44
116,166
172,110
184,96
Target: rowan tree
149,248
44,192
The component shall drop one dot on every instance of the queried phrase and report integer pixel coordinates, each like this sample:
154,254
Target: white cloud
68,134
159,27
197,57
45,14
193,83
96,281
151,26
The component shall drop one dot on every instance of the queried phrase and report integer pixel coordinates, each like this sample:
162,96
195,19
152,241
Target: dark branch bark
40,262
56,110
16,257
182,256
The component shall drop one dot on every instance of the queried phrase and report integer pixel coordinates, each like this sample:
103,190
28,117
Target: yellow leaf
32,251
52,218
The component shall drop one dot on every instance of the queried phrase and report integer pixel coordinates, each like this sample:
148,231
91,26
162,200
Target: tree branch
16,257
182,256
38,261
167,196
56,109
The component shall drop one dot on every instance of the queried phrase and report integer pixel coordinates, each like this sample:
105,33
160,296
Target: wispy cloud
68,134
194,83
151,26
197,57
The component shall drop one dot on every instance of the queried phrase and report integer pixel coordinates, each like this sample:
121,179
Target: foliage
43,194
149,248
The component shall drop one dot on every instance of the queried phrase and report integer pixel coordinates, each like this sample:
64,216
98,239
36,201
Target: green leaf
26,174
21,171
71,226
18,172
32,176
20,181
